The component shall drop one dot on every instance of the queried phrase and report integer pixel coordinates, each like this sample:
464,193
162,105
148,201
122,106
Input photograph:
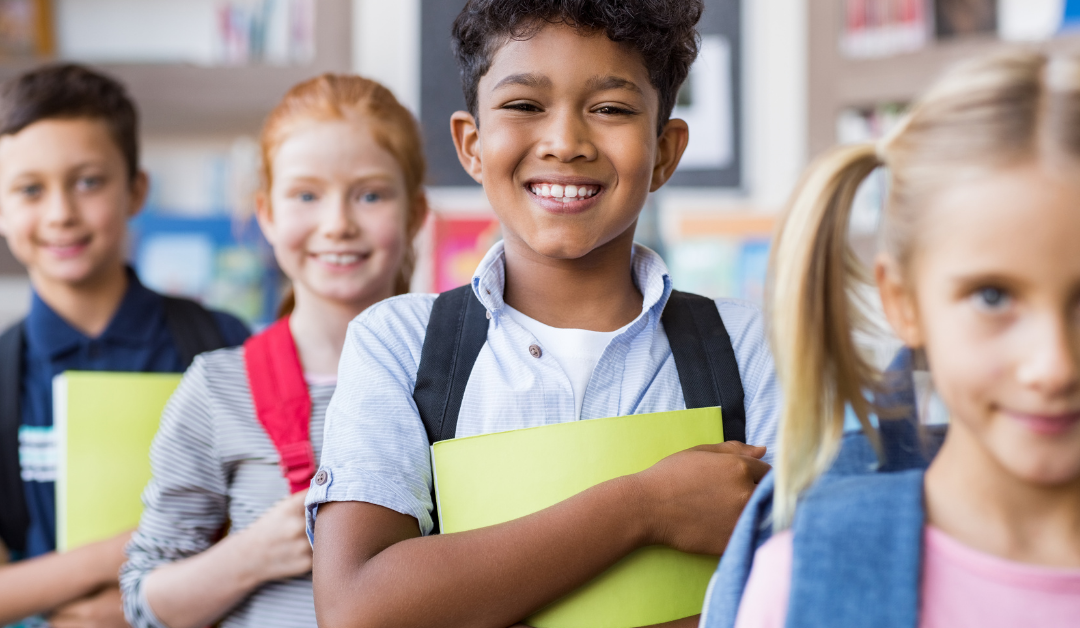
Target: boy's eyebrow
604,83
527,79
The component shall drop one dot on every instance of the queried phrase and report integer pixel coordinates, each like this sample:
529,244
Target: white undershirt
576,350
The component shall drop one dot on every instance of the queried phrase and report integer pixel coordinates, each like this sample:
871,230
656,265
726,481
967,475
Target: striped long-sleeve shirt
213,463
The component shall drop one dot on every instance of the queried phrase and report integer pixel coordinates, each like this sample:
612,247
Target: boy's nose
567,139
60,208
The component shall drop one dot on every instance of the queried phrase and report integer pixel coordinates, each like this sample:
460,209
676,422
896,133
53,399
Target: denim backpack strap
14,517
728,583
456,332
857,555
705,359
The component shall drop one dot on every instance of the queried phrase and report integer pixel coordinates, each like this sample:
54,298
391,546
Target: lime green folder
493,478
104,423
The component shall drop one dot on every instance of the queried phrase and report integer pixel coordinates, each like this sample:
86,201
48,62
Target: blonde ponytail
813,320
986,115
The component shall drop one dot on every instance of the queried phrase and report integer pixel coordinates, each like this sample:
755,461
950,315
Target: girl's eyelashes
991,299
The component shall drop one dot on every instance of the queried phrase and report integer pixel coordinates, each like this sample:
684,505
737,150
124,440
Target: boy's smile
566,143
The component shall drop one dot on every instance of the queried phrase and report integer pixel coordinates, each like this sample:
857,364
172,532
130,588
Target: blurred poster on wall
722,254
957,18
460,242
26,28
705,103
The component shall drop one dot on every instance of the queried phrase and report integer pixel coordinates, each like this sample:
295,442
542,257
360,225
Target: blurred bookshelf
204,74
230,97
896,69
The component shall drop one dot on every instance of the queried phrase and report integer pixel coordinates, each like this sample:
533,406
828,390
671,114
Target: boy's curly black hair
70,91
664,32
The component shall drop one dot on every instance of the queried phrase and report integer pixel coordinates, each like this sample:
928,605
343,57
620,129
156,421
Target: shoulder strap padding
705,359
14,517
193,328
282,401
858,552
456,332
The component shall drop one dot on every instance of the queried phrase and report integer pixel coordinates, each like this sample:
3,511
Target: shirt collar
649,272
132,324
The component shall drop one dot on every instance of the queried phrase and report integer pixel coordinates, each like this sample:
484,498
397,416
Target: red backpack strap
282,401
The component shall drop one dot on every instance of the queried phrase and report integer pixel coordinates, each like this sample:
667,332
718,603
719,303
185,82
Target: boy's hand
100,610
277,542
691,500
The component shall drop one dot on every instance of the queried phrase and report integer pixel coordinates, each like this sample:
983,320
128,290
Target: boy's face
567,114
65,198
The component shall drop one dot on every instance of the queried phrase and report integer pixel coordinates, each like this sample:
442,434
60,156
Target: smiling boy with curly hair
568,131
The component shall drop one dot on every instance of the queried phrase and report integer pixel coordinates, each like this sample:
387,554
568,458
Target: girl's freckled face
996,278
337,211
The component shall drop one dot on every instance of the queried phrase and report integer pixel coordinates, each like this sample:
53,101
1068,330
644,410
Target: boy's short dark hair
69,91
664,32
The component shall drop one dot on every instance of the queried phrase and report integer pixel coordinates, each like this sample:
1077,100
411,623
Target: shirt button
320,477
535,351
488,314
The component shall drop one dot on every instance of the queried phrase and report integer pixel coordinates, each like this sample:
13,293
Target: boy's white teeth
565,193
339,259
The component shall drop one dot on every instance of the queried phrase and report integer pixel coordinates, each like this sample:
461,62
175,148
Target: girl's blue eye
306,197
90,183
372,197
991,299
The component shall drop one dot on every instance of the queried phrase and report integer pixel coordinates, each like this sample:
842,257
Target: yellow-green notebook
492,478
104,423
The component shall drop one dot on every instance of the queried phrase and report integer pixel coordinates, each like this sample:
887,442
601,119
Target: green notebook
492,478
104,423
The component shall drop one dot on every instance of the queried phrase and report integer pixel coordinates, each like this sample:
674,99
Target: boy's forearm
199,590
41,584
494,576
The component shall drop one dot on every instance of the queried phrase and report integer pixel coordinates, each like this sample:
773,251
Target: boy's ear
140,190
466,134
670,147
898,301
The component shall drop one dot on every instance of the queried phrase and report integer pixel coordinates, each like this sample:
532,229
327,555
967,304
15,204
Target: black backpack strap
705,359
457,330
14,517
193,328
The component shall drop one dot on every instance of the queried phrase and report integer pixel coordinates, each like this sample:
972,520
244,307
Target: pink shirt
960,587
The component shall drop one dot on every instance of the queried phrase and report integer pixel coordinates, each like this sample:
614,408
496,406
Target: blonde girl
980,270
341,201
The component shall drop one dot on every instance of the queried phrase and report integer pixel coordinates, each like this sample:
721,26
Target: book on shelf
879,28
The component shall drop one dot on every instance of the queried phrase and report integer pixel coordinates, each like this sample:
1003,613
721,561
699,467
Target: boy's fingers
757,468
734,448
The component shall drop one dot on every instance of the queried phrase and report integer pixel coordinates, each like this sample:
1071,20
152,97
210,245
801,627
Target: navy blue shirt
136,339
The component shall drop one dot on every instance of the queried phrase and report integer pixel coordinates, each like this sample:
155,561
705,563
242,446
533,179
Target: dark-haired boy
568,132
69,182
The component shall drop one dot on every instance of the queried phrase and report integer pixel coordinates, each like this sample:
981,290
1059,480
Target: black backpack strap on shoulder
194,329
456,332
14,517
705,359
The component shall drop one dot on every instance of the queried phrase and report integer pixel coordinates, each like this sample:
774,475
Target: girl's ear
466,135
419,213
264,216
898,301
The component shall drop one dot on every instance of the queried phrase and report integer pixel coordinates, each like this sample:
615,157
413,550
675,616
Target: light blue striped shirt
375,448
